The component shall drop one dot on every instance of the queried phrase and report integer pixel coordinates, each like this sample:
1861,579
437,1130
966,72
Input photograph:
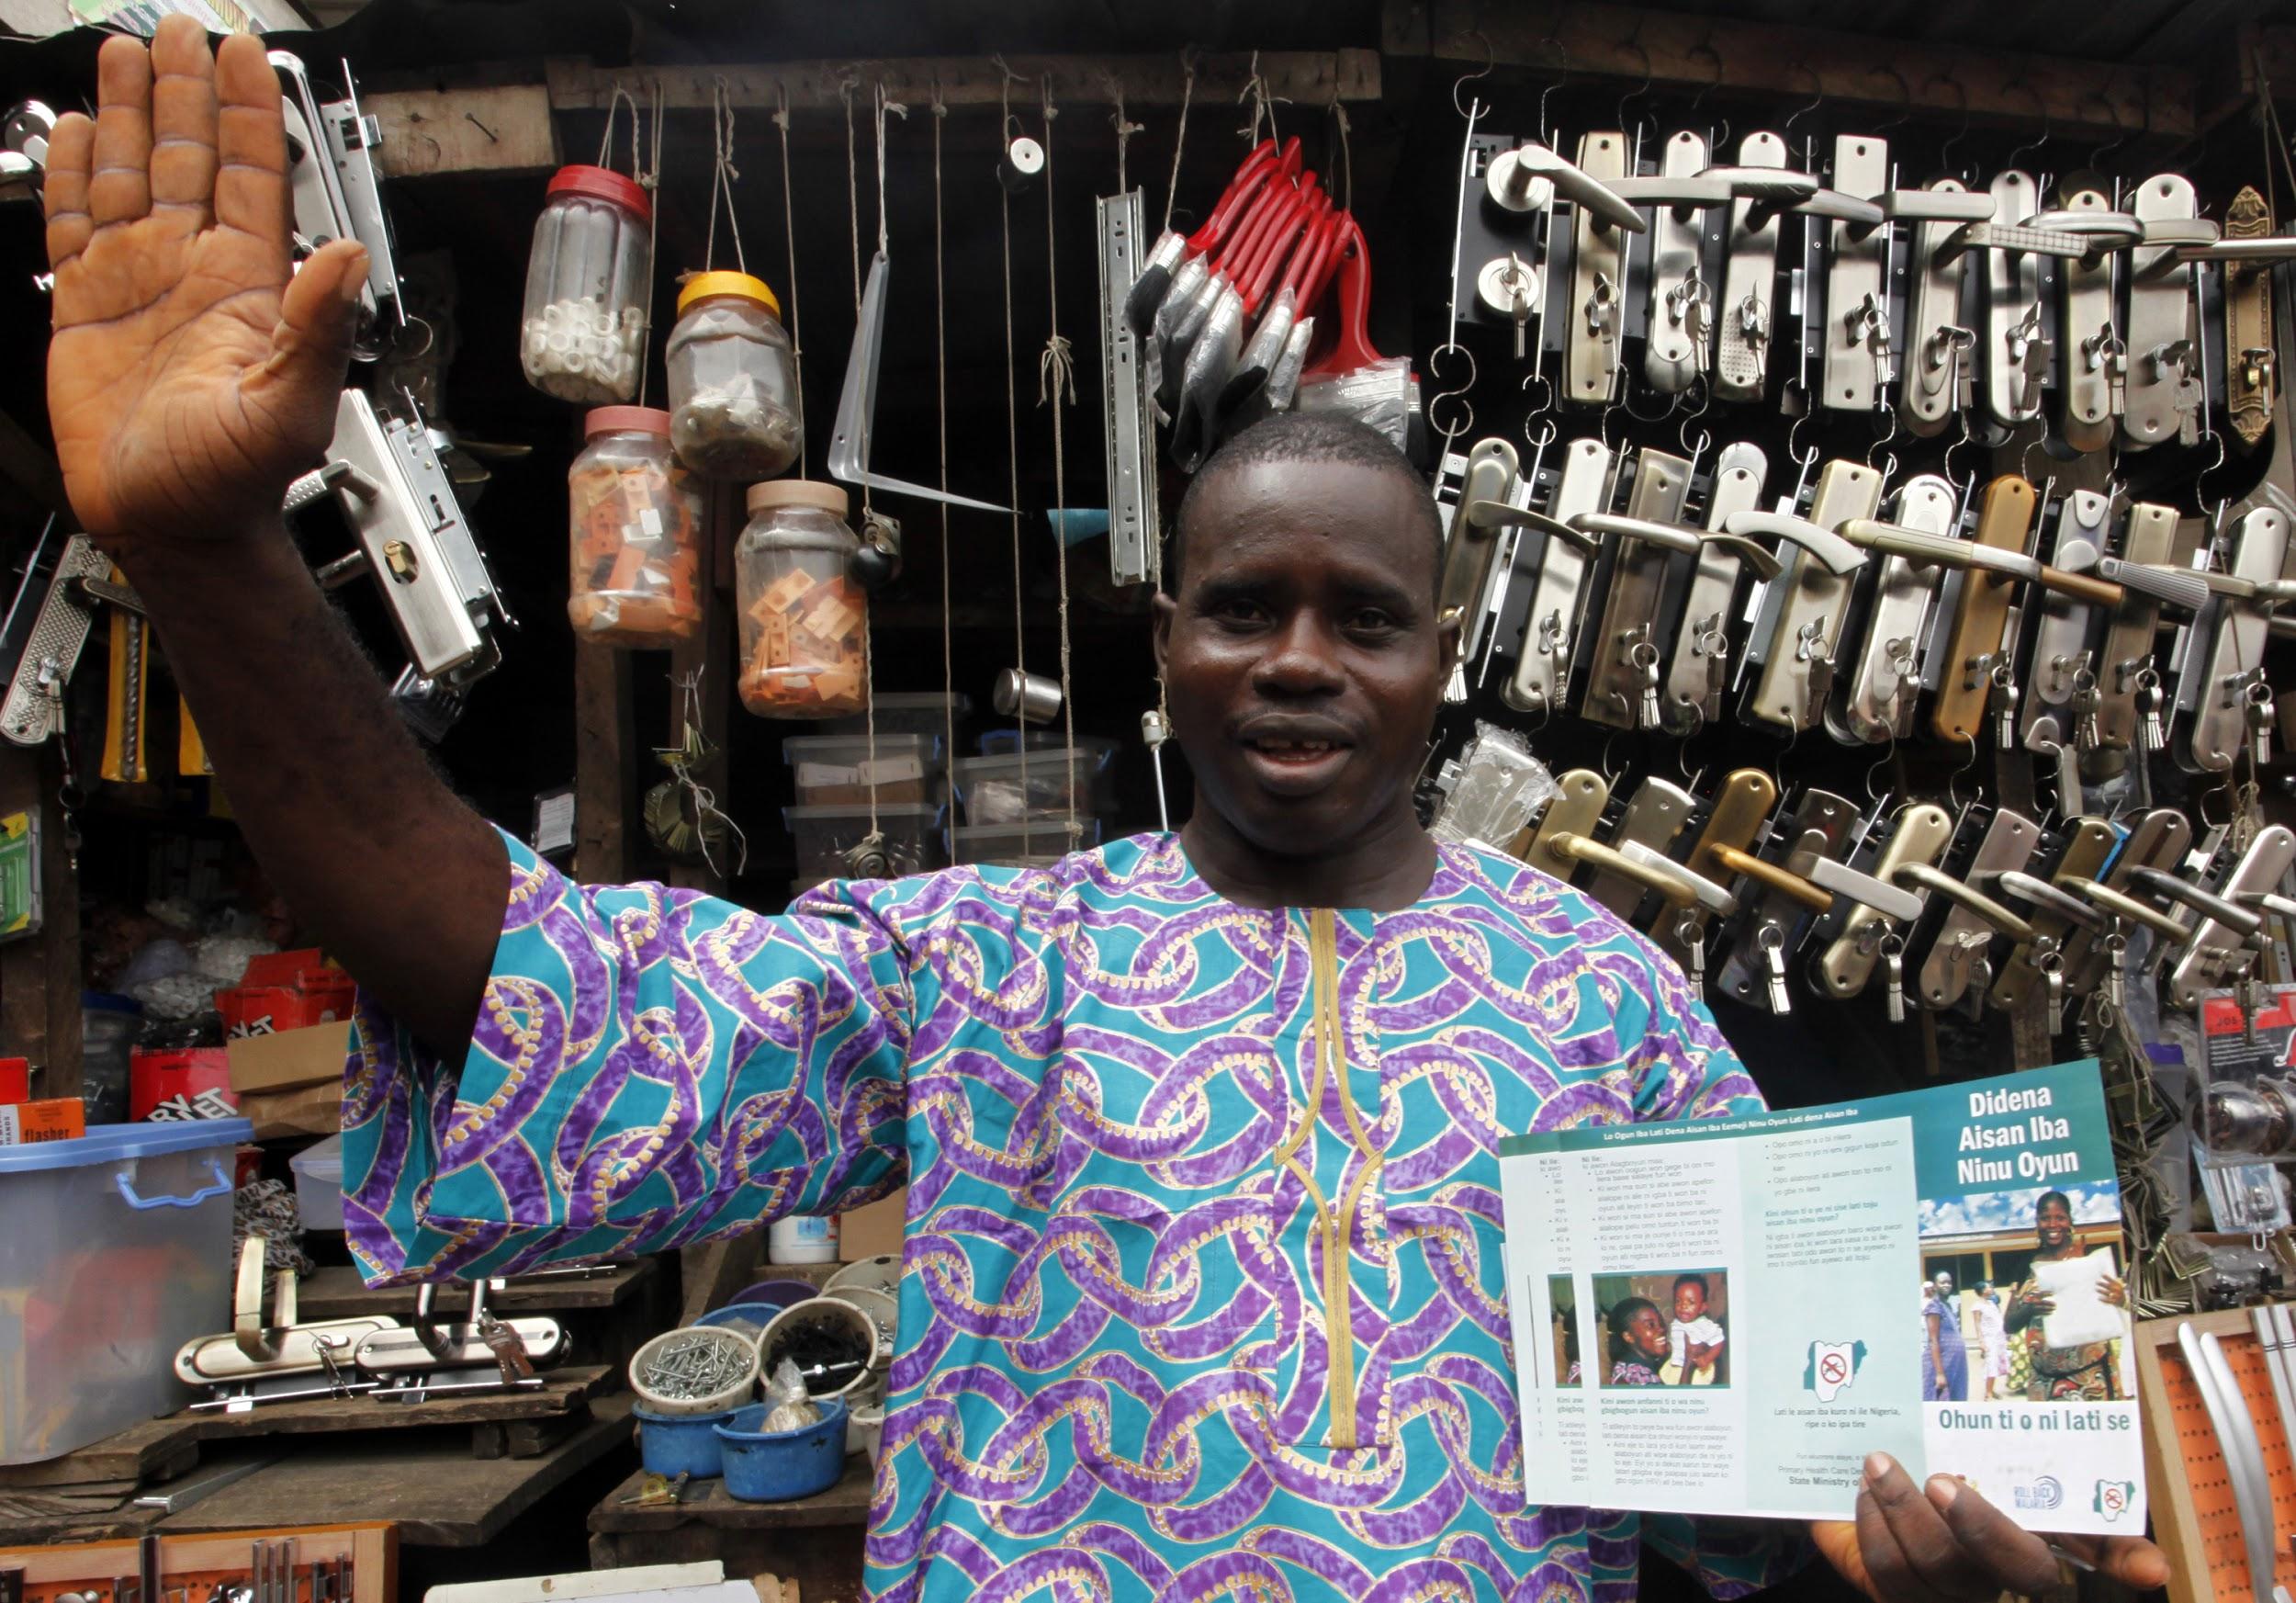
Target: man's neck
1385,869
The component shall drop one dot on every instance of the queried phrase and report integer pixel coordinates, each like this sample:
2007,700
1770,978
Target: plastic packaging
118,1251
787,1405
107,1033
582,335
635,534
805,622
1027,843
1377,395
841,770
792,1239
1045,783
318,1184
733,382
1492,792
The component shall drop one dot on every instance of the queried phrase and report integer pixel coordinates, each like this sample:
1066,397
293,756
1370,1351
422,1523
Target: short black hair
1698,1281
1305,436
2059,1198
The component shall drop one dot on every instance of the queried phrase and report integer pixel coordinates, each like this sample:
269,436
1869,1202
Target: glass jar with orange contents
805,620
635,530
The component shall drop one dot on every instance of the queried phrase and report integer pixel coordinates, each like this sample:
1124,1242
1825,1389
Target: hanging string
852,187
648,179
1012,447
941,414
789,225
1056,367
1263,104
868,516
1125,128
722,181
1180,140
615,102
1347,156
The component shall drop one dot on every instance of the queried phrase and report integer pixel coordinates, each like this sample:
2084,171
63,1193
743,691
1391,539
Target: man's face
1690,1303
1301,658
1646,1333
2055,1225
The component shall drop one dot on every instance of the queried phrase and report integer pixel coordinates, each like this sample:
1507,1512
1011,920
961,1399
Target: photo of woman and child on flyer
1662,1328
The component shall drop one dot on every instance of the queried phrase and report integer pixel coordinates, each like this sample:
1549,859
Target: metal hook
1545,437
2024,150
2025,458
1946,151
1891,412
1818,83
1649,74
1953,780
1490,61
1546,135
1888,753
2214,511
1905,97
1545,406
1946,466
2104,98
1706,437
1611,771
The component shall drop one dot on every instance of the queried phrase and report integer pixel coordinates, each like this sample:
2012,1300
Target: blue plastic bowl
681,1444
776,1293
750,1318
777,1466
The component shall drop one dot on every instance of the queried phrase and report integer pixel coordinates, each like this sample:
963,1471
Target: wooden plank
337,1293
435,1493
506,129
707,1504
1303,77
605,764
2075,98
194,1565
39,973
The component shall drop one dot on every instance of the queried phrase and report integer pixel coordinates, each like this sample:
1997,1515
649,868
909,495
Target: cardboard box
290,1058
312,1111
21,1124
187,1083
873,1230
15,1080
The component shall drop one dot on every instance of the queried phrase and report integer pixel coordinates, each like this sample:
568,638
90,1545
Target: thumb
318,314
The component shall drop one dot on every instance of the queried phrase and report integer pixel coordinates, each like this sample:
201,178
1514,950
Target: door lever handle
2031,887
1936,880
1834,553
1786,883
2248,921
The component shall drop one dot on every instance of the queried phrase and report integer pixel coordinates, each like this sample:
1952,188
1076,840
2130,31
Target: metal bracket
2061,675
1741,803
1655,814
1679,345
1473,539
1938,377
1981,613
1622,682
34,708
1571,814
2014,346
849,442
1799,631
1956,955
2093,360
1922,833
2157,839
1598,280
2227,645
1134,556
1819,827
331,178
2090,847
2211,957
2124,657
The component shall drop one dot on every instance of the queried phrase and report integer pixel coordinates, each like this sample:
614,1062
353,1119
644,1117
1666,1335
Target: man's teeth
1294,745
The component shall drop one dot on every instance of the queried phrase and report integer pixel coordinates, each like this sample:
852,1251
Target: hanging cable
940,416
1125,128
1012,452
1055,368
852,187
1180,138
789,225
722,179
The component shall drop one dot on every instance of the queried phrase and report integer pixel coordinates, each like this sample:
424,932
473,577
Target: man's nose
1302,658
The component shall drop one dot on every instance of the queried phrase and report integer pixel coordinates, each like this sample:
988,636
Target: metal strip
35,698
1956,955
1857,365
1598,283
1625,660
1133,555
1923,831
2164,389
1681,341
1550,626
1886,682
1806,621
1975,645
1698,666
1747,319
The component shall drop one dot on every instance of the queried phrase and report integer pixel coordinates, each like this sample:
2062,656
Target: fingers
183,120
250,186
1912,1552
120,188
2003,1557
2130,1560
317,317
63,192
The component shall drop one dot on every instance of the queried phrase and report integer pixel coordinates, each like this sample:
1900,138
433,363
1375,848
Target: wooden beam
605,764
2072,96
1308,78
502,129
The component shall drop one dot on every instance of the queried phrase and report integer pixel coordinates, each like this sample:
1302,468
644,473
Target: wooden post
40,974
605,764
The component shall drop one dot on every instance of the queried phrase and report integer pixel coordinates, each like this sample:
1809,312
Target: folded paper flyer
1724,1317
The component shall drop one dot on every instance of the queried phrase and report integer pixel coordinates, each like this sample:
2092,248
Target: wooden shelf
337,1293
707,1503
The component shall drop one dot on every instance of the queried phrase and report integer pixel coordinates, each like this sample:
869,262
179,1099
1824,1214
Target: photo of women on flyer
1562,1296
1664,1328
2023,1296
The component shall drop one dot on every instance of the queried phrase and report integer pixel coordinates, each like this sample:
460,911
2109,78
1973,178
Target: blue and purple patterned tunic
1202,1293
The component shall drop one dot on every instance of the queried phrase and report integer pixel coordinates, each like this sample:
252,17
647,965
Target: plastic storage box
1035,843
118,1251
1006,788
912,832
318,1184
909,712
839,770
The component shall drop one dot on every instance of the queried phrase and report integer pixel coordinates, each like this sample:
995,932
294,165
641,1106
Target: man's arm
189,378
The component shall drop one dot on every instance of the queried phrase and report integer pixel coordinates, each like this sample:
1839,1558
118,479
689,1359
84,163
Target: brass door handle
2122,905
1673,886
1961,894
1815,898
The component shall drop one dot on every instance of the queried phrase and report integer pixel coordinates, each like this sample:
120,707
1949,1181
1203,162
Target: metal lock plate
2007,844
1803,608
1655,814
34,707
1923,831
2157,839
1626,641
1473,541
1819,828
1747,318
1550,626
2012,298
1885,683
2092,358
1857,366
2090,846
1698,666
2225,655
2212,957
1740,804
1598,283
2127,651
1937,351
2163,387
1680,321
1981,615
2060,667
1575,809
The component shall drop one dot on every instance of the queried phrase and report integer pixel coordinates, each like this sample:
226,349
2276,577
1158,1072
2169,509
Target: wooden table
816,1540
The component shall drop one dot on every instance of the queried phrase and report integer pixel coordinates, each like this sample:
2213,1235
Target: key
2052,966
1687,933
2247,996
2260,695
1602,309
2086,732
2068,779
2005,699
2116,985
1771,940
1645,656
1894,963
2151,732
1522,327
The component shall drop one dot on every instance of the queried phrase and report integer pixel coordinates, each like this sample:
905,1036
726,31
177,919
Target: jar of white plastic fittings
634,535
733,383
804,621
583,332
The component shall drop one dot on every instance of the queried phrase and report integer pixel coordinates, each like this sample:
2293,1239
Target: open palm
189,376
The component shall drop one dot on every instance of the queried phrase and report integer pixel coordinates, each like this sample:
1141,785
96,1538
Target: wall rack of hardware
1865,466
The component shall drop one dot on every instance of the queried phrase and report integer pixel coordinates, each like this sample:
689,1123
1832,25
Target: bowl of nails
696,1368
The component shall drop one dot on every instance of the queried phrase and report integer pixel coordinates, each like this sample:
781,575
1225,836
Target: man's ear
1160,611
1450,635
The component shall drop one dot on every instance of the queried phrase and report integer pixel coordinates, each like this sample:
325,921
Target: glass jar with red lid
582,335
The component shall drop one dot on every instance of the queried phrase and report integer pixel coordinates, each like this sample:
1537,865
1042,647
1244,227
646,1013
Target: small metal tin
1021,164
1030,697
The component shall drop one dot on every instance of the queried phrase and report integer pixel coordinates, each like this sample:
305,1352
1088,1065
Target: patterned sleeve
650,1067
1683,1067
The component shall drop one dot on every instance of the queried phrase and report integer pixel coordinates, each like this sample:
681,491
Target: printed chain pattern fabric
1136,1169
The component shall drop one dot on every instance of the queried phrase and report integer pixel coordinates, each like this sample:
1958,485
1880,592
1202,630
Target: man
1201,1289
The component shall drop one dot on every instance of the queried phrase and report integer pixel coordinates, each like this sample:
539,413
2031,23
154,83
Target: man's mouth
1285,750
1298,759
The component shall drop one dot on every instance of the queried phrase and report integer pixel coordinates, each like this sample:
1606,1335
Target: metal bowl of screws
833,1344
699,1369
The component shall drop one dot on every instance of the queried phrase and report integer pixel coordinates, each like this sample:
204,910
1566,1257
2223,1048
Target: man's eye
1237,609
1372,620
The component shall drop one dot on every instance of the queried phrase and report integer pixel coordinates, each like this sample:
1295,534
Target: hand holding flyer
1726,1317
